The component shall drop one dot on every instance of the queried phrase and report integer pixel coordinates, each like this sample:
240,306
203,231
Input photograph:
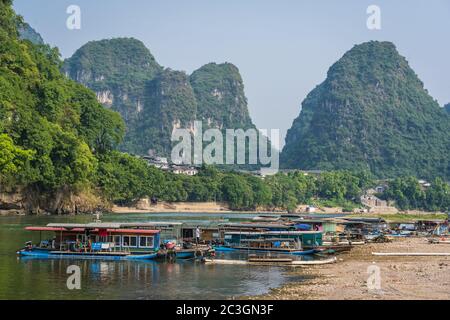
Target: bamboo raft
439,241
406,254
281,262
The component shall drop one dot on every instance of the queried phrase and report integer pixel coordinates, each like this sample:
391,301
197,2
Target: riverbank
401,277
217,207
189,207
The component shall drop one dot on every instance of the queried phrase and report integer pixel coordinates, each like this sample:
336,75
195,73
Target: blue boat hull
223,249
295,253
185,255
48,255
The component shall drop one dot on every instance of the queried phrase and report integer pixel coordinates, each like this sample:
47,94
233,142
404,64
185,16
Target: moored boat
282,242
105,241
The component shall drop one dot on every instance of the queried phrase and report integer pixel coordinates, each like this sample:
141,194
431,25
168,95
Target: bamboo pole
406,254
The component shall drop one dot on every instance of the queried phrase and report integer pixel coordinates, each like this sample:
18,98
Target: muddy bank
28,202
401,277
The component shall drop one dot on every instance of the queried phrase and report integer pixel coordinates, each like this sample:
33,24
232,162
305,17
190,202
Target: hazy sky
282,48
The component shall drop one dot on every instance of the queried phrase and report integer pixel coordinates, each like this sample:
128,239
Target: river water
25,278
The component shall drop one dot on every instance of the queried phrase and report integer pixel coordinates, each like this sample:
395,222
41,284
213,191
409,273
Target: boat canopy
272,232
109,230
150,224
255,225
92,225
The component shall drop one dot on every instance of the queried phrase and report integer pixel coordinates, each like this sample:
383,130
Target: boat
272,241
182,253
332,248
285,250
443,240
266,218
280,241
104,241
269,262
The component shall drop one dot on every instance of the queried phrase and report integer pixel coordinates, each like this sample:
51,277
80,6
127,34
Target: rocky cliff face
372,112
26,32
219,91
168,103
117,70
26,201
154,101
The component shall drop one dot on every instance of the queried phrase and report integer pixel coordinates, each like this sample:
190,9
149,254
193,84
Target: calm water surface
25,278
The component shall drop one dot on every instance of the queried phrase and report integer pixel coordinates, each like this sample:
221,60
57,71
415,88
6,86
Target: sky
282,48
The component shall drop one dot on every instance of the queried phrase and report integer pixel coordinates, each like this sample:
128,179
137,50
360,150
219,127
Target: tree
12,158
237,192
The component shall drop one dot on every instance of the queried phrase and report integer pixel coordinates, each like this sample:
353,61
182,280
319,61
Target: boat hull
185,254
291,252
85,256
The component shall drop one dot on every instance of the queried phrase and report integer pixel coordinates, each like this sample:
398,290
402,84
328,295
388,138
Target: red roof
79,230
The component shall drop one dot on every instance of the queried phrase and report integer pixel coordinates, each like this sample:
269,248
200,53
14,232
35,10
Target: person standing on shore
197,235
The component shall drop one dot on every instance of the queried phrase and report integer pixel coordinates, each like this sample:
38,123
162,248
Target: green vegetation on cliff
221,100
371,113
51,129
152,100
169,103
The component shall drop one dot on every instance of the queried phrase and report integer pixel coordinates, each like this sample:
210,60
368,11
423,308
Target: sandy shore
401,277
185,207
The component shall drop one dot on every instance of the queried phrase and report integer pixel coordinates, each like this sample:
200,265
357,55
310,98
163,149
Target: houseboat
177,239
283,242
107,241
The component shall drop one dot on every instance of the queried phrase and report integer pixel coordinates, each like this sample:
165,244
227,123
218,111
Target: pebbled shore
401,277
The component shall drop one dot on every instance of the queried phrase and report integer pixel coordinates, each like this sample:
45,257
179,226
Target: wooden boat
266,218
443,240
183,253
337,248
279,241
252,248
293,263
106,241
45,254
412,254
253,258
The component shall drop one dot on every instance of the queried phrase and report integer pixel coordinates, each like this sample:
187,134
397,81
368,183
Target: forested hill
52,130
372,112
152,100
219,91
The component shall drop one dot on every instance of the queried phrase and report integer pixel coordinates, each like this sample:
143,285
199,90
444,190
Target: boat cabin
306,238
97,237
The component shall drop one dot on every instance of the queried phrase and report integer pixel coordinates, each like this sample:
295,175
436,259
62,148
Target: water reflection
31,278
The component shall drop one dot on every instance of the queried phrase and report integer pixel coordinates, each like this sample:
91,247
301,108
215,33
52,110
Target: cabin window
146,242
116,240
129,241
188,233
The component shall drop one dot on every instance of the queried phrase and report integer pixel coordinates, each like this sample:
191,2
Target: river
22,278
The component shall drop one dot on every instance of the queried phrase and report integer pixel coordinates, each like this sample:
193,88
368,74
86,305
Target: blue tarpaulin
303,226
